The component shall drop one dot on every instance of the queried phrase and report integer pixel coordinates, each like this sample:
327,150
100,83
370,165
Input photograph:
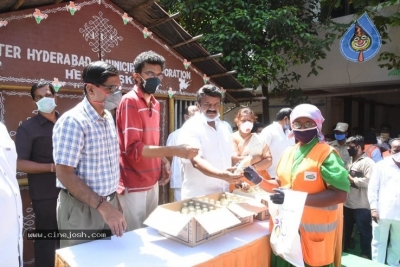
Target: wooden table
248,246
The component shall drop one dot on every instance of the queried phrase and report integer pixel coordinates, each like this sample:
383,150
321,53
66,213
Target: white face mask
112,101
46,104
396,157
208,119
246,127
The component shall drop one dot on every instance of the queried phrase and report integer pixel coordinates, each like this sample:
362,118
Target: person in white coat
10,204
176,173
384,200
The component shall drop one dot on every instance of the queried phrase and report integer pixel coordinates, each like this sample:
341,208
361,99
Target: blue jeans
362,218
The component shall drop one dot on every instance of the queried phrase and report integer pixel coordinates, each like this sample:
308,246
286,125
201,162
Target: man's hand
375,215
113,218
186,151
229,177
165,173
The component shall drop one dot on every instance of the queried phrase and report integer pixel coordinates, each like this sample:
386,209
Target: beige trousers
137,206
73,214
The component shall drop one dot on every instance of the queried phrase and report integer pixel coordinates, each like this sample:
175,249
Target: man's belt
105,198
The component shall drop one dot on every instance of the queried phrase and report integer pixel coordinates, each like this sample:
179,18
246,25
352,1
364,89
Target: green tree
260,39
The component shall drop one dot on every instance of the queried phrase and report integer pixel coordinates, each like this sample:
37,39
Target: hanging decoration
223,91
126,19
186,63
101,36
361,41
39,16
171,92
72,7
206,79
57,84
146,33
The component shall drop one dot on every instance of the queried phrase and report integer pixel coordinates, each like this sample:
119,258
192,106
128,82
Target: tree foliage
260,39
382,20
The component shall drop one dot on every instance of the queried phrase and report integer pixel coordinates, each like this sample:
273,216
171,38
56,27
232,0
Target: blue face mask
340,137
287,127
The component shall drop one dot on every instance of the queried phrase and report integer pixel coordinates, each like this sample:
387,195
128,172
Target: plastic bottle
198,210
185,209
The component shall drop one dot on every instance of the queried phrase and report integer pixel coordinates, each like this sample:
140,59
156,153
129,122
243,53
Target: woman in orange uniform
312,166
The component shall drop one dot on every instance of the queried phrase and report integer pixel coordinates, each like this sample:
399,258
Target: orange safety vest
318,226
368,149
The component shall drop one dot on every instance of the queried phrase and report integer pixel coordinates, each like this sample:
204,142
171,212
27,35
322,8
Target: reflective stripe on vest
330,208
319,228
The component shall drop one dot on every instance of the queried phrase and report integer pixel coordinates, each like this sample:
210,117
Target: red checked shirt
138,125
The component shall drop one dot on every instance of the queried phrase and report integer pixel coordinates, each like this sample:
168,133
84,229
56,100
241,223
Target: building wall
338,72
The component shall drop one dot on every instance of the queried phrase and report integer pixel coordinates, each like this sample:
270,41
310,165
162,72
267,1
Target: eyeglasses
307,125
151,74
209,105
112,88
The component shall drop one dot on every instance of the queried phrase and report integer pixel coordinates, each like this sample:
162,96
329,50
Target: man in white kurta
207,172
384,200
10,204
276,136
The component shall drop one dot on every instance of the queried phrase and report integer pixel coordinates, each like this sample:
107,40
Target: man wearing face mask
384,139
85,150
276,136
207,173
143,161
340,133
395,146
34,148
384,200
314,167
111,103
356,209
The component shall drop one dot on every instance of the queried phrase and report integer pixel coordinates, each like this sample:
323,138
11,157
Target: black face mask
352,151
305,136
150,85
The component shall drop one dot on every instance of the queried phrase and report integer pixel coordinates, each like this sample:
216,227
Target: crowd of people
92,169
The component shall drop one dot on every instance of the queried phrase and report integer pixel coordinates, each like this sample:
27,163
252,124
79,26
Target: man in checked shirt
85,151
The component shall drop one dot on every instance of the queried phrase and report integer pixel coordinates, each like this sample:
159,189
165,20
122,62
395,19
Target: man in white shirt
207,172
276,137
176,177
10,204
384,199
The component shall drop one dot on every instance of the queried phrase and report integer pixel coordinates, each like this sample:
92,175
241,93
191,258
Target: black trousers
362,218
45,219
